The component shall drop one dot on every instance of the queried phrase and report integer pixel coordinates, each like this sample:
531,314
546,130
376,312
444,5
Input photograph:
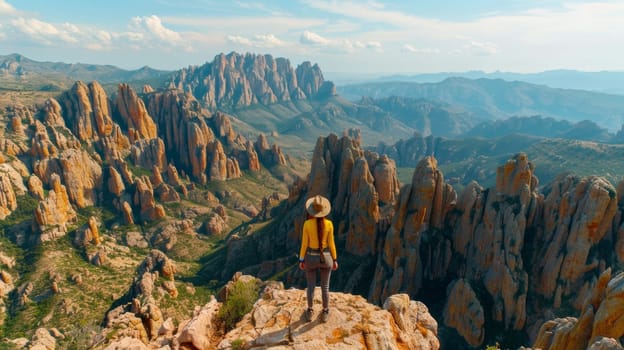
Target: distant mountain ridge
17,65
601,81
500,99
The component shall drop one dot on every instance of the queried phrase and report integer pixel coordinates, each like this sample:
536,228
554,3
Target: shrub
242,295
238,344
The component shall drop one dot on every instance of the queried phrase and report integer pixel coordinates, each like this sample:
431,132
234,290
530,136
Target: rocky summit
276,321
236,80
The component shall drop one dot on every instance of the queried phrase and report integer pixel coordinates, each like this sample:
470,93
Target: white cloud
6,8
481,48
340,45
237,39
260,40
152,26
375,46
413,49
246,25
310,38
44,32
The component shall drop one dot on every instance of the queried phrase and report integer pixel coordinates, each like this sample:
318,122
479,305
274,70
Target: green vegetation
238,344
24,211
242,295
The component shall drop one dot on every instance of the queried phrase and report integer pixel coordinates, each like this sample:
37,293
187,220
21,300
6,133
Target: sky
363,37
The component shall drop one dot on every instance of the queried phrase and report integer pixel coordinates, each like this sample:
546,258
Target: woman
318,251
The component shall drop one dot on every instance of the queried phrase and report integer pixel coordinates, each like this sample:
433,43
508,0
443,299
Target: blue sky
372,37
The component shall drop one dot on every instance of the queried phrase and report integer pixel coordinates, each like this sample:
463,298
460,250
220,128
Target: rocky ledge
276,321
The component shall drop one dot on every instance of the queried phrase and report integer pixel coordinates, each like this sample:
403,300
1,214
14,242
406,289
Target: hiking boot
324,315
308,315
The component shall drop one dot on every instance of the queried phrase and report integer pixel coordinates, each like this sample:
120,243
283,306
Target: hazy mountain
499,99
604,81
542,127
18,73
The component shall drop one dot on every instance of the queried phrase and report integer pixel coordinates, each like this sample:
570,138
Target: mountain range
124,208
604,81
490,99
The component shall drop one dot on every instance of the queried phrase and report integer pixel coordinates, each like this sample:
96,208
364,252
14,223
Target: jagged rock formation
492,247
236,80
133,112
81,174
148,153
464,312
53,213
588,206
140,317
144,199
204,146
8,200
421,206
87,111
270,155
343,172
600,324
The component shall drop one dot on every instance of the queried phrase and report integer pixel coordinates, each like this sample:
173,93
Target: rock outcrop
464,312
600,324
421,206
567,258
270,155
277,320
8,200
82,175
148,153
236,80
88,113
133,112
53,213
196,140
139,316
149,210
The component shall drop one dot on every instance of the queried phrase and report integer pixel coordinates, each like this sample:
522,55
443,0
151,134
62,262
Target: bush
238,344
242,295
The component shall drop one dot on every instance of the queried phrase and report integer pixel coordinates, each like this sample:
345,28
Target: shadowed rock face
421,206
236,80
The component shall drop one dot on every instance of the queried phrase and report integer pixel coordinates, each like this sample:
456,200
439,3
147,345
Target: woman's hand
335,266
301,265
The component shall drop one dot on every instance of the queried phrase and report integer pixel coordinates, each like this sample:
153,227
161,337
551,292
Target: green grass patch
240,300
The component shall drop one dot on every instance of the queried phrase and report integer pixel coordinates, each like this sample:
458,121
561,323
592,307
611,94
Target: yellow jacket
310,239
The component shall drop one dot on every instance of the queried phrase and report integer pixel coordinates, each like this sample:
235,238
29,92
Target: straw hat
318,206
